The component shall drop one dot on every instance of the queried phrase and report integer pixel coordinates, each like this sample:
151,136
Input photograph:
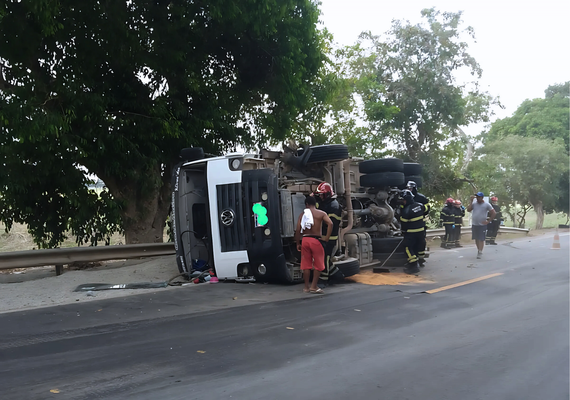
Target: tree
412,97
546,118
525,170
118,88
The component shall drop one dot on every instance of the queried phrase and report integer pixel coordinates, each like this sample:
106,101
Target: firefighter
447,219
420,198
413,228
459,213
493,227
328,203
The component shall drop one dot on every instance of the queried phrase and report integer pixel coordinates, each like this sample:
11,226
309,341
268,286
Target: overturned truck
237,213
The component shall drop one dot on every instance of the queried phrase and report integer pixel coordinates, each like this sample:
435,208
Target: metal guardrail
60,257
467,229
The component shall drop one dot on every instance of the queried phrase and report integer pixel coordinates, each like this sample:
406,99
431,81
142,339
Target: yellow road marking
441,289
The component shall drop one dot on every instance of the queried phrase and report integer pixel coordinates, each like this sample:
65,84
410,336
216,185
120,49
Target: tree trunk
539,214
145,210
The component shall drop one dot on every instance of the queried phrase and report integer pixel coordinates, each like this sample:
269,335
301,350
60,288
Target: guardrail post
59,269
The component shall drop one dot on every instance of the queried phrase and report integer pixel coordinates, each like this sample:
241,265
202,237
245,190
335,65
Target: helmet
450,200
494,198
407,195
457,202
411,184
324,191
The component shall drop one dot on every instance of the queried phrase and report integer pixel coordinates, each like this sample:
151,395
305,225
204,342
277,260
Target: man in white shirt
479,209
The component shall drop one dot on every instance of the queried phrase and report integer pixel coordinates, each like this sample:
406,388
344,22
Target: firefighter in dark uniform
447,219
493,226
328,203
459,213
420,198
413,228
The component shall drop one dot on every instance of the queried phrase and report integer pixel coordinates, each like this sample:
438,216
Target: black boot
493,242
457,244
421,262
412,268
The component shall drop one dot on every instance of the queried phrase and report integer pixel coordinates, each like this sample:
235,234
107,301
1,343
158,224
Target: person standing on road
413,228
420,198
309,226
459,213
328,203
479,221
447,219
493,227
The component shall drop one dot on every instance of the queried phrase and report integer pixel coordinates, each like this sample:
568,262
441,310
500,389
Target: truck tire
382,179
327,152
387,245
192,153
418,179
401,258
348,267
381,165
412,169
396,260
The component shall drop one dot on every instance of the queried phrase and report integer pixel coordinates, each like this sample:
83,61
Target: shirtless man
312,251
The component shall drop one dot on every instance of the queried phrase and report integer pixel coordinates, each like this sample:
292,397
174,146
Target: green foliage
547,118
410,94
118,88
523,170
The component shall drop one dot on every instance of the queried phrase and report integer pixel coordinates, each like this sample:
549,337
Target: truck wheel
396,260
192,153
348,267
382,179
412,169
381,165
327,152
400,257
415,178
387,245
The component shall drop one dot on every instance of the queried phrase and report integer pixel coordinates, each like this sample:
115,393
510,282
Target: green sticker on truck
260,214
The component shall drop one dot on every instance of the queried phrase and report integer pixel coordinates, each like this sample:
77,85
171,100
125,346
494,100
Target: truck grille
231,217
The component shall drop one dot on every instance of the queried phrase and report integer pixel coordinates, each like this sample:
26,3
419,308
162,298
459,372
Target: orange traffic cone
556,243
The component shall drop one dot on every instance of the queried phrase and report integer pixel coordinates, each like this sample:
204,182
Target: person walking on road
413,228
479,209
328,203
447,219
493,227
459,213
309,226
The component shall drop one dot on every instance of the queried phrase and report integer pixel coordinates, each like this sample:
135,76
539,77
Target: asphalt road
502,337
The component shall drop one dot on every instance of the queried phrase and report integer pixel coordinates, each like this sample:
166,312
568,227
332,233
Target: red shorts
312,254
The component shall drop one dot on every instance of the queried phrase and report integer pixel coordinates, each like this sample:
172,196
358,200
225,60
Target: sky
522,46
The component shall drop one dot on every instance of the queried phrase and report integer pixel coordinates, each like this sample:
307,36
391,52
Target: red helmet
324,191
457,202
494,198
450,201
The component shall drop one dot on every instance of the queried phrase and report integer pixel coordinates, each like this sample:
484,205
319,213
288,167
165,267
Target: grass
18,239
550,220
